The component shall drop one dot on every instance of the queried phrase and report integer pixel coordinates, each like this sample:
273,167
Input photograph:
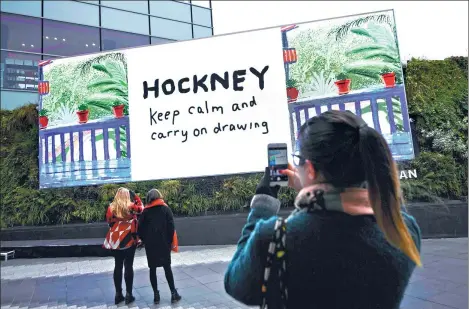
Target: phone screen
277,161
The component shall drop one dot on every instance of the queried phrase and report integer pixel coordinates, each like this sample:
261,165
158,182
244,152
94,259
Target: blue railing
62,170
399,139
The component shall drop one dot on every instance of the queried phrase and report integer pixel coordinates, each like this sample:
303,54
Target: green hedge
437,99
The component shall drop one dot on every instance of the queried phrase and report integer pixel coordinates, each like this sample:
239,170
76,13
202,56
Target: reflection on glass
72,11
29,8
158,41
133,6
116,39
113,19
202,32
19,71
170,29
66,39
202,16
171,10
20,33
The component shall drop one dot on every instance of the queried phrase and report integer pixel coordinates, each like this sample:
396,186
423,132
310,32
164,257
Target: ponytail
384,191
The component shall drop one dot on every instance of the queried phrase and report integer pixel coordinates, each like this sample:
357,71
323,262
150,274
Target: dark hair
132,195
153,195
346,152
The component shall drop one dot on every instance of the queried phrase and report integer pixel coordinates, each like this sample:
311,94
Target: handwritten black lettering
238,78
169,83
235,107
224,81
146,89
180,87
260,75
156,116
199,83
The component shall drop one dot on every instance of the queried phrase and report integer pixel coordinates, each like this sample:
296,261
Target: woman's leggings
168,274
124,258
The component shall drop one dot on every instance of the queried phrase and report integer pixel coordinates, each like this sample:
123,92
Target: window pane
72,11
133,6
124,21
66,39
19,70
116,39
171,9
29,8
202,16
205,4
202,32
157,41
20,33
170,29
13,99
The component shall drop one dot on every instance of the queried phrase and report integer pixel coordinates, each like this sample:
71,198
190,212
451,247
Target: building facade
44,29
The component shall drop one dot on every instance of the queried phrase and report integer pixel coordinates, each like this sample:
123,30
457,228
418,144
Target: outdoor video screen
153,113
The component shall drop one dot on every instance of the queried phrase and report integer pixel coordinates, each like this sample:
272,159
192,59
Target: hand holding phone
278,161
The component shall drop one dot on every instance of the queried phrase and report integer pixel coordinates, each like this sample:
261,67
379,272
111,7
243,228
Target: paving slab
82,283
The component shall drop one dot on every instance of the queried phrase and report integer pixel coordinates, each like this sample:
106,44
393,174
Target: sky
426,29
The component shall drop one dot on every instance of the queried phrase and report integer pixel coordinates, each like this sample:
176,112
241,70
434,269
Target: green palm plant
342,31
396,108
379,54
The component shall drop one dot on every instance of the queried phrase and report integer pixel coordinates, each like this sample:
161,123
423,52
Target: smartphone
278,160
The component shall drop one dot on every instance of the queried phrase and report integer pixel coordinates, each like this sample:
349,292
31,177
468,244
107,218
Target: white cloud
429,29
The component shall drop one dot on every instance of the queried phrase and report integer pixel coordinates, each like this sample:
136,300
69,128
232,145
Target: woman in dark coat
156,230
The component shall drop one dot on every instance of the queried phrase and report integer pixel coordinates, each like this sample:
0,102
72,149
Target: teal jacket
334,260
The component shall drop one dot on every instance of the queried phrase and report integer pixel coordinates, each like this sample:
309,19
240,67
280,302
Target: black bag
276,250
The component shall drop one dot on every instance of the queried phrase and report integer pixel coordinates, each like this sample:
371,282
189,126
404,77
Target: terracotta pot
83,116
118,111
343,85
389,79
43,121
292,94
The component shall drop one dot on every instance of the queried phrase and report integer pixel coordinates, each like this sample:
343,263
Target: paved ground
76,283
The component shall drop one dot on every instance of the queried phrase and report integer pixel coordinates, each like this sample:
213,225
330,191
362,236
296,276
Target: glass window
133,6
170,29
13,99
171,9
19,70
205,3
202,32
66,39
29,8
72,11
157,41
124,21
20,33
117,39
202,16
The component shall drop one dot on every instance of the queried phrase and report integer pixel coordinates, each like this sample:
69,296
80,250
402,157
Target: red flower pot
389,79
343,85
83,116
118,111
43,121
292,94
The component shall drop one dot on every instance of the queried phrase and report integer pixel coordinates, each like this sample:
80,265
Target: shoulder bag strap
276,250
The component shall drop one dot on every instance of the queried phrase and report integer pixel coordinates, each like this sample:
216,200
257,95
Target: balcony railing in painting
78,169
398,136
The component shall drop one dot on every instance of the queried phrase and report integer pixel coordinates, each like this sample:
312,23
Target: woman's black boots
175,297
156,298
118,298
129,298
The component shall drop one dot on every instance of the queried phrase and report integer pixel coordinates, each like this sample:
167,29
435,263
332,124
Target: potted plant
118,109
43,118
83,113
388,77
343,83
292,91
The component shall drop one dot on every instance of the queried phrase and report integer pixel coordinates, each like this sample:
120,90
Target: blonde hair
120,204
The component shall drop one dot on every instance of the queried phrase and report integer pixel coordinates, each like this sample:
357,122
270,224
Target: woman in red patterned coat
122,239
